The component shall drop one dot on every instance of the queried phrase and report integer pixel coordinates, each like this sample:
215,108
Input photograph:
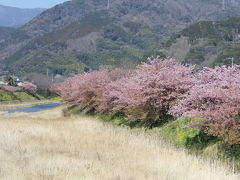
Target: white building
2,83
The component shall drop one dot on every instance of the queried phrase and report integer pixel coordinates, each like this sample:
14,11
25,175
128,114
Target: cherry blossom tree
150,91
163,88
215,97
8,88
86,90
28,86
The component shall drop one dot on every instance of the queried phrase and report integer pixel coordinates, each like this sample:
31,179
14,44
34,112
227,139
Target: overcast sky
31,3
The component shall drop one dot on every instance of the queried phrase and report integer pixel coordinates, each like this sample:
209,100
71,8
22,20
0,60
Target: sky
31,3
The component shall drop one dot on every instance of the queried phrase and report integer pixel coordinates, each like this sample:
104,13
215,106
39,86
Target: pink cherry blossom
216,98
28,86
9,88
151,90
86,90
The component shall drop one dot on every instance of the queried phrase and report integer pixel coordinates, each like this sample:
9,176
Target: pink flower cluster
215,97
149,93
28,86
86,90
8,88
160,89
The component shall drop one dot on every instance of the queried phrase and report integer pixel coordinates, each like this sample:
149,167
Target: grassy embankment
6,96
46,145
194,139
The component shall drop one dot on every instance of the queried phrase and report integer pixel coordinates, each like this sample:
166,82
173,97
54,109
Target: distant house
17,81
10,80
19,84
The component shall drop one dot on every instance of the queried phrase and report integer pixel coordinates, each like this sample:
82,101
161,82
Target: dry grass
48,146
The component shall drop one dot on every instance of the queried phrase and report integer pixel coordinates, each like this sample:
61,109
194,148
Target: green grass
7,96
186,132
23,96
18,96
118,119
56,98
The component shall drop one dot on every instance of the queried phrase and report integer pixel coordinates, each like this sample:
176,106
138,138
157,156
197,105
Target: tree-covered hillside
206,43
77,34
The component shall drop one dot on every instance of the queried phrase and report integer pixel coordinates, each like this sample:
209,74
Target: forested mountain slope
80,33
206,43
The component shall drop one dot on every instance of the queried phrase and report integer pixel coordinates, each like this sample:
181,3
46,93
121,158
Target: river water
36,108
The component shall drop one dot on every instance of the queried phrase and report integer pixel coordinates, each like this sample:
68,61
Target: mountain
206,43
84,33
7,31
13,17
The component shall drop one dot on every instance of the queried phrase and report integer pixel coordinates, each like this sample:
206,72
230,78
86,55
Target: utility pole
108,6
47,72
223,5
52,77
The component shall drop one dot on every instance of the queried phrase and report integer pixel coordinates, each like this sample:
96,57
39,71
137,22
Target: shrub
7,96
182,133
150,91
215,98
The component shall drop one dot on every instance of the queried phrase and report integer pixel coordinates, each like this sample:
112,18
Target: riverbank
193,140
4,106
46,145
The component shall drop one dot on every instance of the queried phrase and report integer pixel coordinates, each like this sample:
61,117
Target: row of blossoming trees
26,86
163,89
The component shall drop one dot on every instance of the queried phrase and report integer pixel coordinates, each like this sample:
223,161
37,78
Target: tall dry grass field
48,146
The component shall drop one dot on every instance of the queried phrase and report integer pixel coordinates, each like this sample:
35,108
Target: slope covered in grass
48,146
17,96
